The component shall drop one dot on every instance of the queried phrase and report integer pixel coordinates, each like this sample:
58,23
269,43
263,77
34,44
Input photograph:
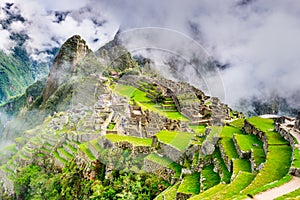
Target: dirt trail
279,191
288,187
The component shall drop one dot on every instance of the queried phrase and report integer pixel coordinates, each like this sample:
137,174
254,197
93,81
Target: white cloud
5,43
260,40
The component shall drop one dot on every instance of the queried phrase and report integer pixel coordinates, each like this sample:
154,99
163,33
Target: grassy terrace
166,162
209,193
74,150
56,155
9,148
211,178
85,149
168,194
239,123
179,140
241,165
67,154
135,141
296,161
276,167
246,144
242,180
226,174
227,142
190,184
96,145
198,129
139,97
263,124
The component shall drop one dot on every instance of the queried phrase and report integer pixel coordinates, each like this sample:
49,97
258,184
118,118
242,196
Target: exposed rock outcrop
297,123
64,64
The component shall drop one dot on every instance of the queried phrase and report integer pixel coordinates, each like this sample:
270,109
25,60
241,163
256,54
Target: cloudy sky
257,39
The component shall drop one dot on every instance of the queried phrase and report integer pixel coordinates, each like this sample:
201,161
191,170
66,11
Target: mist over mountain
254,43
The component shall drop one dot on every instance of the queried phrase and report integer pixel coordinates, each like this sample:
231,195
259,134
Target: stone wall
251,129
171,152
8,184
182,196
158,169
227,162
242,154
295,171
297,122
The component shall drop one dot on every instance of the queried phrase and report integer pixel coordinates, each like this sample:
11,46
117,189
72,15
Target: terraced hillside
144,137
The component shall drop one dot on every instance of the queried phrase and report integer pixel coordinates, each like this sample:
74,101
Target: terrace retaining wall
251,129
158,169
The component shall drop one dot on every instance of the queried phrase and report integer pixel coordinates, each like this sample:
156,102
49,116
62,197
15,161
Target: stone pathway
279,191
288,187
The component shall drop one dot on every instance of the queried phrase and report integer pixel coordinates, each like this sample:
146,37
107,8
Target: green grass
275,138
226,175
56,155
74,150
135,141
139,97
44,149
242,180
295,195
67,154
166,162
179,140
241,165
277,183
11,148
229,148
239,123
111,126
245,142
263,124
41,155
211,177
85,149
168,194
276,167
190,184
209,193
96,145
198,128
228,131
296,161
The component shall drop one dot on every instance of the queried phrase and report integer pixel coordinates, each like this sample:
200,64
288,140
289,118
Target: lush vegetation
167,162
276,167
199,129
179,140
296,161
242,180
190,184
250,143
211,178
210,192
238,123
225,174
168,194
135,141
33,182
139,98
263,124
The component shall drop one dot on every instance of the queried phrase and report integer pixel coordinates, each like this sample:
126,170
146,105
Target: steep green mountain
103,127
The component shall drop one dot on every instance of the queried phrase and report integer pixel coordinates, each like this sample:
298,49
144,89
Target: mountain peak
64,64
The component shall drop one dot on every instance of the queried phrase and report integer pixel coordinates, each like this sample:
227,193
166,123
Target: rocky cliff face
64,65
297,123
